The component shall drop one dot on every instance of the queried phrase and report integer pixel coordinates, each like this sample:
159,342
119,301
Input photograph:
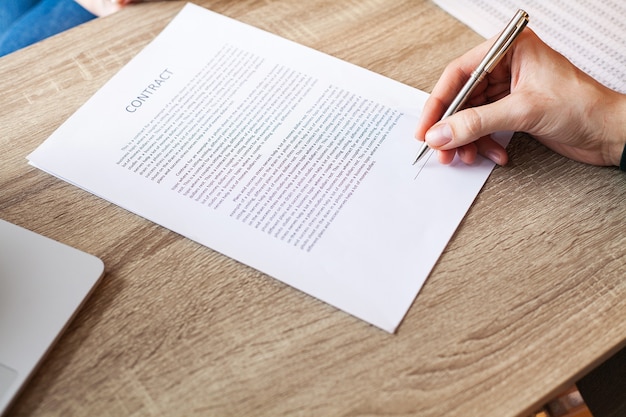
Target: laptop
43,283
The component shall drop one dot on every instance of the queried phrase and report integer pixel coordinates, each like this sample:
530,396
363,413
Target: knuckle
473,123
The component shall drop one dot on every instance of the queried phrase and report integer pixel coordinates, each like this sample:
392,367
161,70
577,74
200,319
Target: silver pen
499,48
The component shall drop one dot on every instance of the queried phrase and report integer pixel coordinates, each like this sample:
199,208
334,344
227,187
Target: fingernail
439,135
494,156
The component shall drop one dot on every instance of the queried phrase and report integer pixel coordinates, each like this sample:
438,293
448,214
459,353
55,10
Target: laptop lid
42,285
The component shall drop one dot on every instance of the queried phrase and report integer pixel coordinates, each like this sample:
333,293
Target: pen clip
503,43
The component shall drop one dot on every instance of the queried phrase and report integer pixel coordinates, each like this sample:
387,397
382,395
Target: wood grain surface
528,296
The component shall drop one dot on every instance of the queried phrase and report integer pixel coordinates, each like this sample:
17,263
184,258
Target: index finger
454,76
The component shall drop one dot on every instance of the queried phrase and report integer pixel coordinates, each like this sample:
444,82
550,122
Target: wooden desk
529,295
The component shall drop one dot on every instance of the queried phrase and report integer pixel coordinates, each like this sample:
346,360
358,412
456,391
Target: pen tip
421,153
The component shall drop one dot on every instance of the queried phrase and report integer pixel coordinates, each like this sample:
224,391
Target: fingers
450,83
468,153
492,108
431,114
457,72
467,133
492,150
507,114
484,146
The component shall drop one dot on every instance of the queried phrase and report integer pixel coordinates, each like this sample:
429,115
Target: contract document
288,160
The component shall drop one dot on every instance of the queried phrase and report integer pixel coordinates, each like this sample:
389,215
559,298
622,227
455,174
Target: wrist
613,128
618,150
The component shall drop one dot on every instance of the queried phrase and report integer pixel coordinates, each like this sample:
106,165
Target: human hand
535,90
106,7
102,7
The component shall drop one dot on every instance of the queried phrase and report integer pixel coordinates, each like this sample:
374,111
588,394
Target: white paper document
291,161
590,33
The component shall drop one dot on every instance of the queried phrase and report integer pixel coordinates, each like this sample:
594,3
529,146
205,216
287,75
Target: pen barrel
504,42
464,94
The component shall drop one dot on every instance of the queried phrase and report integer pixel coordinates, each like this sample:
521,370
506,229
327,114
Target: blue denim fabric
24,22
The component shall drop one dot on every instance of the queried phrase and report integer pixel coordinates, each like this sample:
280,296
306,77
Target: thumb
471,124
